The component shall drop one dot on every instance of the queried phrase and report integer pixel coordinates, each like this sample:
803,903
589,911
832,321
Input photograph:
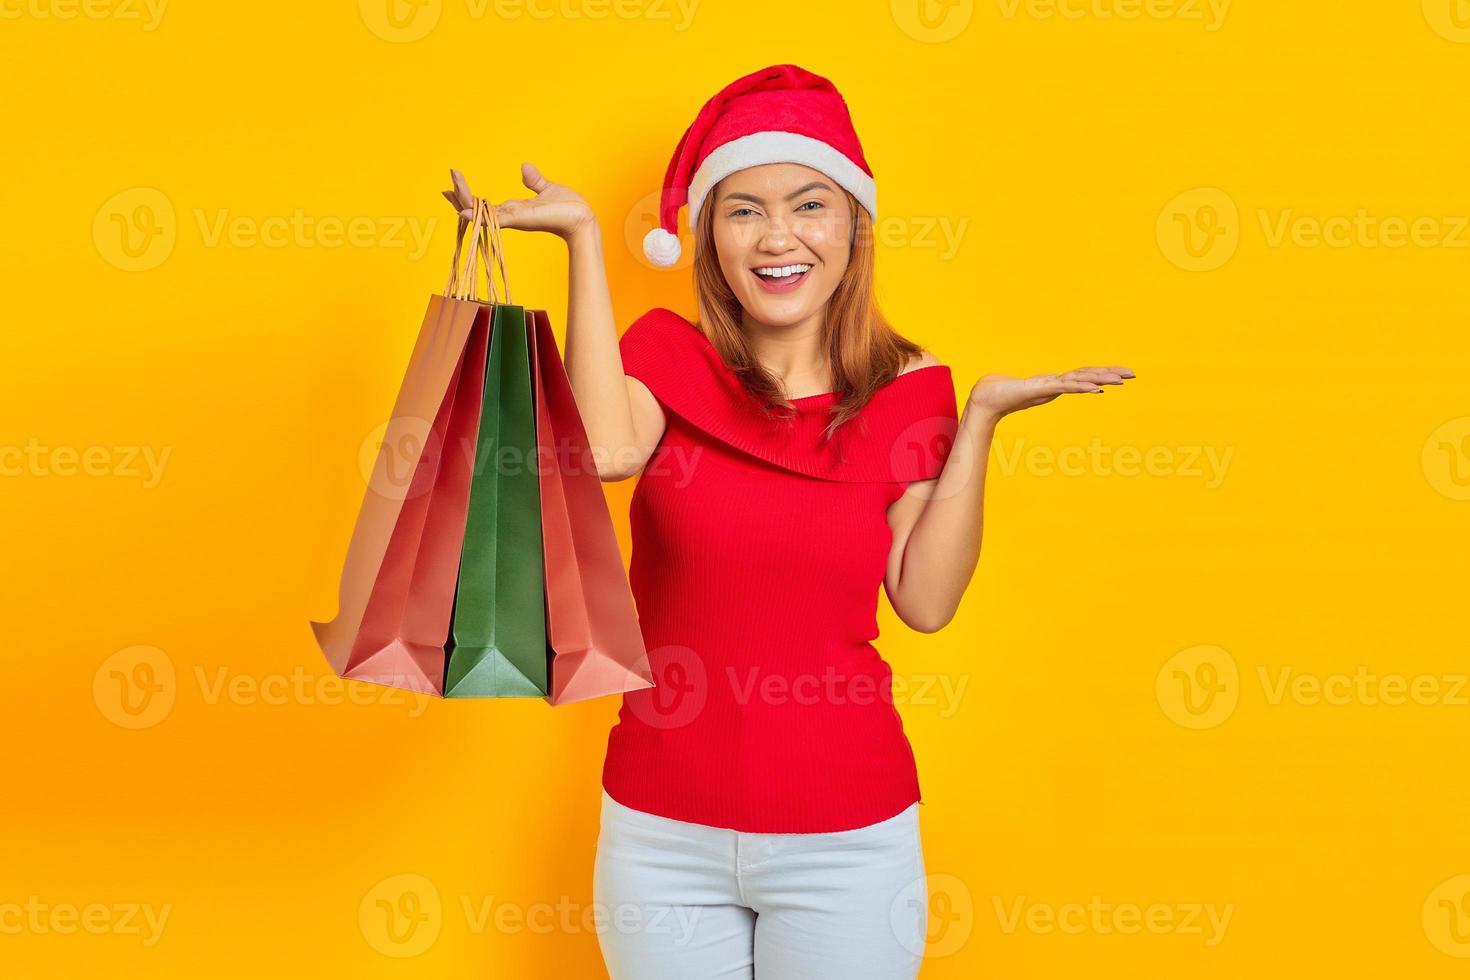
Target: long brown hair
863,349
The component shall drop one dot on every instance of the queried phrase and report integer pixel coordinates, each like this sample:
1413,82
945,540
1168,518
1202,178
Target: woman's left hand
998,395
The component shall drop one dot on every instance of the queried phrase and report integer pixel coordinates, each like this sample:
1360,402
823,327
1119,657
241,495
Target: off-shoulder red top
758,553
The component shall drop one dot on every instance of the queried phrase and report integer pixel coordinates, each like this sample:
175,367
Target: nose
776,235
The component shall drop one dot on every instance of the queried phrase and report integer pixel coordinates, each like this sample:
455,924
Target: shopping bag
484,562
401,643
406,472
430,605
497,644
596,643
395,478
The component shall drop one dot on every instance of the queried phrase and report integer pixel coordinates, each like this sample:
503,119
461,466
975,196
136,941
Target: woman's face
773,217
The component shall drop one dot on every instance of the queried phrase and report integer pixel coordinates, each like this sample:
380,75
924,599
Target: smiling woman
765,790
779,278
780,235
783,261
758,577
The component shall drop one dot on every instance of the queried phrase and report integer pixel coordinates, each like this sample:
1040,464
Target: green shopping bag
497,642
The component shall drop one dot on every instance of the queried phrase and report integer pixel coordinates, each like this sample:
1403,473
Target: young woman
759,809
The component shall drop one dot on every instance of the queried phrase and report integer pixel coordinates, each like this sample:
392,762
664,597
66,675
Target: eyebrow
813,186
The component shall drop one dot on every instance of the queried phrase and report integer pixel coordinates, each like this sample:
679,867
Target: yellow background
1121,738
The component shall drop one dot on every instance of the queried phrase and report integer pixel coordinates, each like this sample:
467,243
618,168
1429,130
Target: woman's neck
794,353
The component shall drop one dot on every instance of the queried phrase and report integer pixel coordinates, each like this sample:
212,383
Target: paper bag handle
484,243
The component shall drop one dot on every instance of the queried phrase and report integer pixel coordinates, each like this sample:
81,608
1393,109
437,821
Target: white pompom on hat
781,114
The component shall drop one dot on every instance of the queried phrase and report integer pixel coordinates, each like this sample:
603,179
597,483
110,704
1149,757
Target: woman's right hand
555,208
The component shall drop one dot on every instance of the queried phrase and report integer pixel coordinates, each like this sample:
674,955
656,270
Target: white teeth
781,272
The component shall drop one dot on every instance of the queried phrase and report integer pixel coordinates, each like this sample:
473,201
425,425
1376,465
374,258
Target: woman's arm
936,531
624,421
937,523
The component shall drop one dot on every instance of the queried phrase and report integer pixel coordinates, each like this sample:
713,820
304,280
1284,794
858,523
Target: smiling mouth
780,278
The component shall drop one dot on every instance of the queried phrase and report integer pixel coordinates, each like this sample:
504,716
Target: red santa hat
781,114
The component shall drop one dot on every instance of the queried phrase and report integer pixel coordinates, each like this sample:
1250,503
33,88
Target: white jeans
684,901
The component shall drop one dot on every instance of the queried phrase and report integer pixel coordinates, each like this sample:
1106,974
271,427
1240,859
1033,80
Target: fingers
1064,384
509,213
533,179
1100,375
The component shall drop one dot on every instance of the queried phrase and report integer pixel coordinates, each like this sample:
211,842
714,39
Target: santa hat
781,114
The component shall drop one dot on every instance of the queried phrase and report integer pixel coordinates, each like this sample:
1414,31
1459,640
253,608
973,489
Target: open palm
998,395
555,208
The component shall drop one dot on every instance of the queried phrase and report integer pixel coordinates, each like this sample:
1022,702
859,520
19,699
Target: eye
818,204
739,211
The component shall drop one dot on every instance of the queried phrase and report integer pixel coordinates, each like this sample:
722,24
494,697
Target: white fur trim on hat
776,146
661,247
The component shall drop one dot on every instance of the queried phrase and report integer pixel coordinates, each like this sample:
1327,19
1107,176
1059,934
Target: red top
758,554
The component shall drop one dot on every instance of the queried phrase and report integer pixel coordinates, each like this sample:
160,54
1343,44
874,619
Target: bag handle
478,217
